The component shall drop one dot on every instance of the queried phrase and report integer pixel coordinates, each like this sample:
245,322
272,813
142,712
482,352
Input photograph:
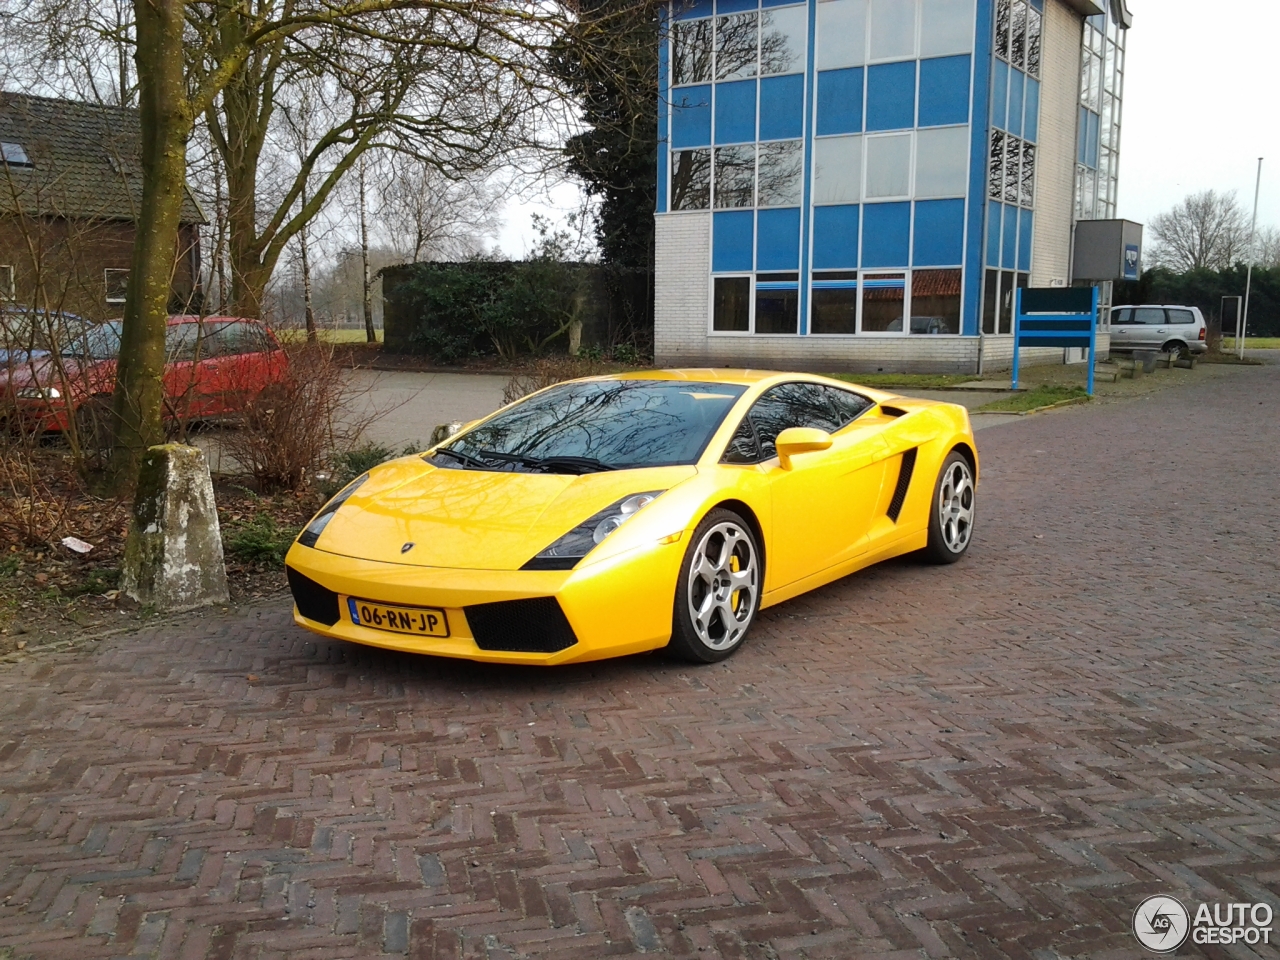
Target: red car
214,366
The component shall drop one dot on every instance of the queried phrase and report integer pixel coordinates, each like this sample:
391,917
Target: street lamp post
1248,282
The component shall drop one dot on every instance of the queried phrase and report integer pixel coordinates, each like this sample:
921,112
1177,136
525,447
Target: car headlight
565,553
39,393
311,533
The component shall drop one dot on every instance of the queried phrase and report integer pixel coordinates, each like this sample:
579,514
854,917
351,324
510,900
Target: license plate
420,621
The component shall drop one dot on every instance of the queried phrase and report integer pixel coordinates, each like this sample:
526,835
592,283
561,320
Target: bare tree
424,214
1266,250
1206,230
366,290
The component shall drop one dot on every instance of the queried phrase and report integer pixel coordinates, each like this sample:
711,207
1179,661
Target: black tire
951,511
728,540
93,424
1176,349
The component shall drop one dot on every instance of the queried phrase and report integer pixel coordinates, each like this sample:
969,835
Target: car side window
1153,316
791,405
1182,317
180,343
1121,316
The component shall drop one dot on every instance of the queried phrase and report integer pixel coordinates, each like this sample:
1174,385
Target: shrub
258,540
547,371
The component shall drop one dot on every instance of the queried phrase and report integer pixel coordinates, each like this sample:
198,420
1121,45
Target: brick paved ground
994,760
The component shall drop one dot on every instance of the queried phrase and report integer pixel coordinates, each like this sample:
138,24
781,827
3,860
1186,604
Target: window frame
107,273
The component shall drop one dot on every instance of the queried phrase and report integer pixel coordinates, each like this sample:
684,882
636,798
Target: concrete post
173,556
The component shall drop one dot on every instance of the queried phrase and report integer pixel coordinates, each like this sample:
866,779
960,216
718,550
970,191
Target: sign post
1048,317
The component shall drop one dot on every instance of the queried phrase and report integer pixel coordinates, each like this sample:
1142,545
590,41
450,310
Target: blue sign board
1066,317
1131,261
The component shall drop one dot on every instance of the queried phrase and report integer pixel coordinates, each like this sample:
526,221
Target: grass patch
258,540
1042,396
8,567
327,335
917,381
95,582
1252,343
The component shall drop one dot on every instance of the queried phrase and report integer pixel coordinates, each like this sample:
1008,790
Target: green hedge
454,311
1206,288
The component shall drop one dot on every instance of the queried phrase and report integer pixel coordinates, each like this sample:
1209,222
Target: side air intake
905,471
535,625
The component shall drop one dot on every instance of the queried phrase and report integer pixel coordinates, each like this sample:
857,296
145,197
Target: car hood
474,519
39,369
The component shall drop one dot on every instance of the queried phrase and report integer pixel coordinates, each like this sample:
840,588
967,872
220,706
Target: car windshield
100,341
585,426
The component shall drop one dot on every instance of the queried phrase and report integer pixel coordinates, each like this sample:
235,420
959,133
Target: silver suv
1169,329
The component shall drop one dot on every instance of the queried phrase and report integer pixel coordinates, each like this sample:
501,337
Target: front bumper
615,607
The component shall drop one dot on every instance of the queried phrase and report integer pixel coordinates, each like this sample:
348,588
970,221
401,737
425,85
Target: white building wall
1055,178
682,285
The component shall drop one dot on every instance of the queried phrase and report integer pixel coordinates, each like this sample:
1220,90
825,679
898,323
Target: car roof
1154,306
190,318
743,377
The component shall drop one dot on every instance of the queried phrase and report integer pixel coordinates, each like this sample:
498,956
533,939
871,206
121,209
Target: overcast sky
1201,104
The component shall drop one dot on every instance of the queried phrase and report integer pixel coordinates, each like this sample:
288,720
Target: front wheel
718,592
951,514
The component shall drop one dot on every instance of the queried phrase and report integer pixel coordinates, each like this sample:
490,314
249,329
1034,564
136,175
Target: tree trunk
370,334
308,311
166,124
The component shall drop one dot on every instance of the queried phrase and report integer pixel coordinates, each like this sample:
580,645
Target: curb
1070,402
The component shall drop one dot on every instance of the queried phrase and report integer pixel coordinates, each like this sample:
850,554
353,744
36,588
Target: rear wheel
1175,349
951,514
718,592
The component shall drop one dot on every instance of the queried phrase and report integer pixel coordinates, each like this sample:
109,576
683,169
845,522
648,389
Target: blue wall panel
840,101
944,91
1017,81
1027,221
939,233
994,220
891,96
782,107
1031,125
1009,249
691,116
732,240
736,112
778,239
886,234
835,237
1000,95
978,146
664,153
733,6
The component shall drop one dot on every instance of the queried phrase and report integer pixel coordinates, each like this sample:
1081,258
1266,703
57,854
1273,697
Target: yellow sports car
617,514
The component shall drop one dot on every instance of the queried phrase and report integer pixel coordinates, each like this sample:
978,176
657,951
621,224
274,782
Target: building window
942,162
783,35
935,301
736,47
732,309
117,283
893,29
14,154
997,300
946,27
837,169
835,302
888,167
1004,19
1028,181
777,302
1012,173
884,298
842,34
735,177
995,178
691,180
691,52
781,168
7,291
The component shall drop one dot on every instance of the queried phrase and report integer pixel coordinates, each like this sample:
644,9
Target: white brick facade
1056,161
682,279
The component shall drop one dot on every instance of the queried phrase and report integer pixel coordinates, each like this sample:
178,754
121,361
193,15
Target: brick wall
1055,178
682,278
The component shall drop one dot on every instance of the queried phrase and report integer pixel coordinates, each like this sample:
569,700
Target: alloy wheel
955,506
723,585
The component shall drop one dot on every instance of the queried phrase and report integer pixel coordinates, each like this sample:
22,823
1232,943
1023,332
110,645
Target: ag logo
1161,924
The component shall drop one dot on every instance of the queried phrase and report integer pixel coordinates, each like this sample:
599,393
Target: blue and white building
861,184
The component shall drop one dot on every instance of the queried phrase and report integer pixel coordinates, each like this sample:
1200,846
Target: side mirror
795,440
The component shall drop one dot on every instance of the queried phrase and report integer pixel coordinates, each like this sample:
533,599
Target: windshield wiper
463,458
548,464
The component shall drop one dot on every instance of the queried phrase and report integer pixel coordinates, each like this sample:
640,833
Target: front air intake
536,625
905,471
314,601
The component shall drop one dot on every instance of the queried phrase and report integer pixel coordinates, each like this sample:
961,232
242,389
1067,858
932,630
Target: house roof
83,160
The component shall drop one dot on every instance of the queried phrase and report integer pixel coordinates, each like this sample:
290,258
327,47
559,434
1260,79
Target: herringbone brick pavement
999,759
